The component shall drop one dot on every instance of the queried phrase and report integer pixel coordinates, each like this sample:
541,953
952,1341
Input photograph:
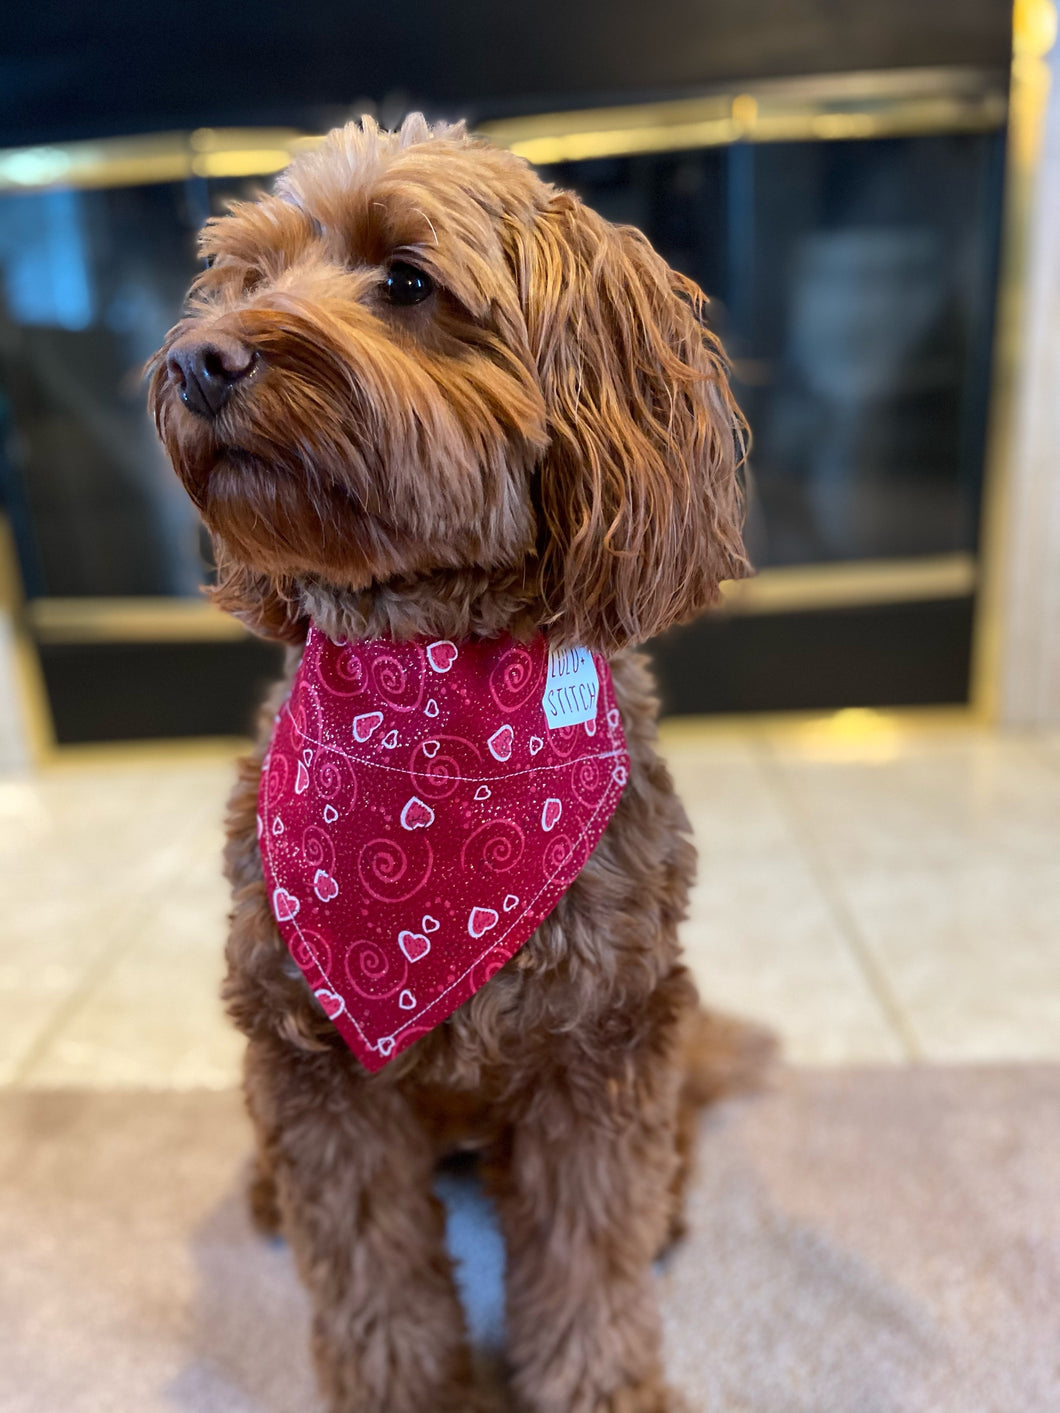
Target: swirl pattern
278,773
334,776
514,678
318,849
499,845
557,852
436,773
304,711
399,679
342,671
588,779
375,971
310,949
486,969
564,740
392,871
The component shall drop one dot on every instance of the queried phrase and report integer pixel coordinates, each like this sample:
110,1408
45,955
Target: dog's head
415,359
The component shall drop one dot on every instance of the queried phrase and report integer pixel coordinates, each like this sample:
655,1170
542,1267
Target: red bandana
423,807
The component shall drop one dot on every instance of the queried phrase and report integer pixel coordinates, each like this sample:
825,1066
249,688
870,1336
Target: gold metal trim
826,108
130,620
156,157
30,692
847,727
799,588
1034,33
154,750
784,590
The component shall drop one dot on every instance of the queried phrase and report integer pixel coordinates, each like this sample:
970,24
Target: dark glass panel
853,286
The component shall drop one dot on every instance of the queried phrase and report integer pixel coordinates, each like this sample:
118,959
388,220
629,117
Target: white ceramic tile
762,941
946,801
111,830
729,798
944,848
84,851
763,938
154,1018
972,953
50,945
1047,745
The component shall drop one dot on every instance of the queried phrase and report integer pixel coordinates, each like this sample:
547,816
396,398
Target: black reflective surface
853,286
89,283
852,282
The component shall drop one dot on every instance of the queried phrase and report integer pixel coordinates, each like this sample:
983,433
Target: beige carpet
862,1242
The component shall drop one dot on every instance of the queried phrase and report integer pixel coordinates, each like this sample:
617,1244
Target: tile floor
877,888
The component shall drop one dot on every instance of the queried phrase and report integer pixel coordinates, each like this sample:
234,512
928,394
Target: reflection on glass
89,283
852,285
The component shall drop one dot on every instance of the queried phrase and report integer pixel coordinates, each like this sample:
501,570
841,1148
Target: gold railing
157,157
792,589
1034,34
824,108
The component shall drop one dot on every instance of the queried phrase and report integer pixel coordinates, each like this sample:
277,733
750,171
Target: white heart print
365,724
416,814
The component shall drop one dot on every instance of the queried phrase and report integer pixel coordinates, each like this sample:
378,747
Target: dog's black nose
207,369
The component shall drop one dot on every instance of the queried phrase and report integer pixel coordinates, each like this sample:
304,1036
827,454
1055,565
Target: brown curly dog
419,392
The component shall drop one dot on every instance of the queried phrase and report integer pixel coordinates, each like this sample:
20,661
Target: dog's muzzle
208,369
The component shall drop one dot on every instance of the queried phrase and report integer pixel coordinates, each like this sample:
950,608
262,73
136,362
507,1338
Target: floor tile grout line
1040,752
90,983
94,977
861,952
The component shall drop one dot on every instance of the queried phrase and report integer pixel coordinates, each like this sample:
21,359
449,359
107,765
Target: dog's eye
405,284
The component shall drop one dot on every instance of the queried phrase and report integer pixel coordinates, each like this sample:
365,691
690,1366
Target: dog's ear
257,600
639,495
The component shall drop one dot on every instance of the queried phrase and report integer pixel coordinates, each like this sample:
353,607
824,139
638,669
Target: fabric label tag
572,688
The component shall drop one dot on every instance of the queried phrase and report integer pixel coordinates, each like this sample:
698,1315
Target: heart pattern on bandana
441,656
416,815
364,725
480,920
414,944
420,820
331,1001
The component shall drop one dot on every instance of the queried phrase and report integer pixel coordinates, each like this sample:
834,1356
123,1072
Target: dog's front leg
353,1171
585,1194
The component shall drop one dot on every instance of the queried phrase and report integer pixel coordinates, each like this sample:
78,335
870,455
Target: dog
420,396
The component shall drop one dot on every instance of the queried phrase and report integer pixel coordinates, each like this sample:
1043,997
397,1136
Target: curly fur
548,441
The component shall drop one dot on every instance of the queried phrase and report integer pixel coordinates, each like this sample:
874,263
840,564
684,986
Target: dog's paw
650,1397
480,1400
471,1400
